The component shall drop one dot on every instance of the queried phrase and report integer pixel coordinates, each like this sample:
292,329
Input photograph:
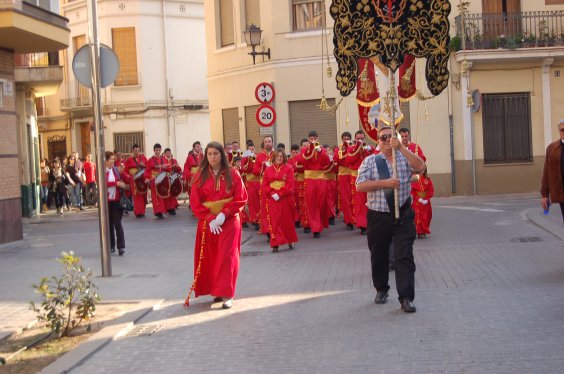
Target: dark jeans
381,231
44,194
116,229
90,193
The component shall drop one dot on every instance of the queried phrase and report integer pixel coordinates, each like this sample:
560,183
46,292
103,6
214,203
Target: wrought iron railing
509,30
75,96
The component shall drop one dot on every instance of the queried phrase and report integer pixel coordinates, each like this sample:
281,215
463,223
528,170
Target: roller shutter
230,125
252,127
306,116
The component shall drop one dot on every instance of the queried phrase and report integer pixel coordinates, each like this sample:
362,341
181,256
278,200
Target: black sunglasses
385,137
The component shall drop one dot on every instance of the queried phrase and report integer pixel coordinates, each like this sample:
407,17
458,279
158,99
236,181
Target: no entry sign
266,115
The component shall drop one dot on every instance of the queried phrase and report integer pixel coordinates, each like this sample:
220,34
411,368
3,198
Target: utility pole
99,139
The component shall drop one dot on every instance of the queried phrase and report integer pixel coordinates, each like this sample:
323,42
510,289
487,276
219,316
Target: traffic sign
264,93
109,66
266,115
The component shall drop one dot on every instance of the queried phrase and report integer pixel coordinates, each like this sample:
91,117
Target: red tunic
216,257
415,148
314,164
298,188
132,166
331,181
344,199
191,168
151,172
171,202
258,170
252,183
422,189
355,155
280,214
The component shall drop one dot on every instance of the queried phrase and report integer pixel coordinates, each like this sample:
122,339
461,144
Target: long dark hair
224,166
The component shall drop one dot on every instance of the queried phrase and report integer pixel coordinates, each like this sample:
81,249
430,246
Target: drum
139,180
175,185
162,184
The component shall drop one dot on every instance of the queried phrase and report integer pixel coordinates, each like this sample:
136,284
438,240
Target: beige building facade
495,147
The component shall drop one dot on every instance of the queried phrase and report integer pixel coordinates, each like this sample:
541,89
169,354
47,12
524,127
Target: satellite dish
477,99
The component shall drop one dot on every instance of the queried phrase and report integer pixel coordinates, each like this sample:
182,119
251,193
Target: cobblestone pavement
488,292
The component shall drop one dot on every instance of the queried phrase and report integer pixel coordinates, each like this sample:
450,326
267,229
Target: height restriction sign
264,93
266,115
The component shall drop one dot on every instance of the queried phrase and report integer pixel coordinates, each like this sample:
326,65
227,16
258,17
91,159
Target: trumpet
236,152
351,143
316,145
253,158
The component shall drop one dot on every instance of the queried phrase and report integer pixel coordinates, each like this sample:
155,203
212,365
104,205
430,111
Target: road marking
489,210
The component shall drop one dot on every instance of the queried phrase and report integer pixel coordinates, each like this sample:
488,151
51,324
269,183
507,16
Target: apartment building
495,147
31,33
160,93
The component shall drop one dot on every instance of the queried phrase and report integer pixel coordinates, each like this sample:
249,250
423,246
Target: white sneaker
228,303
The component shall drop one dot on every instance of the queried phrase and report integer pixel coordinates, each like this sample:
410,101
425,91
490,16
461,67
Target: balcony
76,98
509,30
38,71
26,28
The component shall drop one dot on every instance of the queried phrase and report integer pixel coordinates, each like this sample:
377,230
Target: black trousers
116,228
381,231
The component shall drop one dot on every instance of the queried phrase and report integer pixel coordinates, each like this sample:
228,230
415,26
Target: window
226,23
308,14
78,90
57,147
230,125
506,122
252,13
124,142
123,41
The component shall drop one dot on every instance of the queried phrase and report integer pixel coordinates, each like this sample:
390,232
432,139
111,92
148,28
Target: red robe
244,212
416,149
355,155
314,164
258,170
132,166
331,181
151,172
171,202
422,189
299,184
280,214
344,199
190,168
252,182
216,257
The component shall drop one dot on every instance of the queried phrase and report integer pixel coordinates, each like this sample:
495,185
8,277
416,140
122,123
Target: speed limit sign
266,115
264,93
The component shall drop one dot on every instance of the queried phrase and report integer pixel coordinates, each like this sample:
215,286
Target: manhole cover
143,330
527,239
251,253
142,276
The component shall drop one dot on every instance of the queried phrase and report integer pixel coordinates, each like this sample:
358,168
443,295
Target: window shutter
123,42
252,12
306,116
230,125
226,22
252,127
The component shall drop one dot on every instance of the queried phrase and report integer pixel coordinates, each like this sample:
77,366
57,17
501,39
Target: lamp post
252,37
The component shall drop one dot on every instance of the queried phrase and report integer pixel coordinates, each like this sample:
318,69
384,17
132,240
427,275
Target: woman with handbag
115,188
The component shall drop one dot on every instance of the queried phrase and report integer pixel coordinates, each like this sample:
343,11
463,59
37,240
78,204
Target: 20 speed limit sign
264,93
266,115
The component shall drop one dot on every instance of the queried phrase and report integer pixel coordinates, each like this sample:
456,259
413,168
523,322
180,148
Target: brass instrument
236,152
352,143
316,145
253,158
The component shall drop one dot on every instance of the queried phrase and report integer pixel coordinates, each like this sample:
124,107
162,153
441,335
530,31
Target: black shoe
407,306
297,224
362,231
217,299
350,227
121,252
245,225
421,236
332,221
159,216
307,230
172,212
113,250
291,246
257,227
316,235
381,297
139,215
267,237
275,249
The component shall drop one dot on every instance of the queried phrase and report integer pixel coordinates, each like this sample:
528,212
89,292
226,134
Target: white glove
318,149
275,196
215,228
421,201
247,153
425,202
220,219
367,148
267,164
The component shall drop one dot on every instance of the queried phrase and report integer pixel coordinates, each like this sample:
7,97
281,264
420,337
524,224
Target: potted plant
478,41
530,40
455,43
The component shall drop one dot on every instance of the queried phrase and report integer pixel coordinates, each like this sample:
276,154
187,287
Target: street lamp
252,38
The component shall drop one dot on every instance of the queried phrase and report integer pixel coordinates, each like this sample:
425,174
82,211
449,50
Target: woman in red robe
278,188
422,191
217,198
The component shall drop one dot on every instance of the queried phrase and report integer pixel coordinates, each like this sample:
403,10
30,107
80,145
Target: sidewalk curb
534,216
80,354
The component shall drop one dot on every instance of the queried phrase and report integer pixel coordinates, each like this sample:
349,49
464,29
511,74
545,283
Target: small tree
69,300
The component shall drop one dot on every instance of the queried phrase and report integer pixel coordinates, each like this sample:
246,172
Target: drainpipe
168,91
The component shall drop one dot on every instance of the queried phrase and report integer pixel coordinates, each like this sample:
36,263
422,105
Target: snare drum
139,181
162,185
175,184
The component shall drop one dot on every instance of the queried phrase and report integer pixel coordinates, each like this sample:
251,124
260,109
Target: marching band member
315,160
191,165
133,164
238,165
422,191
407,143
261,163
252,183
171,203
299,180
278,189
344,203
300,186
356,154
217,198
155,165
331,182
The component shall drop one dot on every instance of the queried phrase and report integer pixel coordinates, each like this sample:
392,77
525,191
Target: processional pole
393,95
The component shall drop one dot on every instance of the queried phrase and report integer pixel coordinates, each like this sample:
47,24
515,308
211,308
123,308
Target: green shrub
69,300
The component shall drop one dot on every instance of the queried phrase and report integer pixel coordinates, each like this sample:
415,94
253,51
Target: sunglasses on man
385,137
